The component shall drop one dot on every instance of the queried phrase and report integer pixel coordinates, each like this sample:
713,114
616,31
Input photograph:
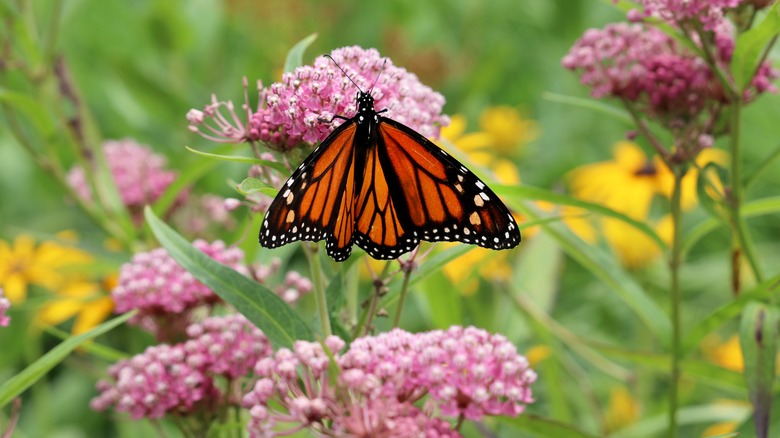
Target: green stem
404,291
675,264
742,242
352,294
319,292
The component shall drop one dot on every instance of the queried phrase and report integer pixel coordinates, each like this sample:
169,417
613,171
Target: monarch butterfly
384,187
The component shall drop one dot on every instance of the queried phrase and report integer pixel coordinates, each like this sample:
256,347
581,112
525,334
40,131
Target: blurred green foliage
142,64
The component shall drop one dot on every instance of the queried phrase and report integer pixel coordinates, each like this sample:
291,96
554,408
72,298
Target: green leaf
542,427
605,267
188,176
528,192
239,159
261,306
34,109
35,371
658,424
591,104
758,207
727,313
294,57
253,185
758,339
749,47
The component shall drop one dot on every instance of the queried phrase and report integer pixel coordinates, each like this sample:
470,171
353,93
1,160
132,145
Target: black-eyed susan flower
629,183
85,299
25,262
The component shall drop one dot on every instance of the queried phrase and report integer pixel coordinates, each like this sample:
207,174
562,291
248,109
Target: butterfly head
365,102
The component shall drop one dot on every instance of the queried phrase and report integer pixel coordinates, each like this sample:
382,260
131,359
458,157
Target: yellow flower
627,184
727,354
633,247
689,195
507,129
622,409
537,353
503,131
24,263
87,300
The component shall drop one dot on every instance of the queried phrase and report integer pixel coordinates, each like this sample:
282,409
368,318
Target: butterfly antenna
345,73
376,79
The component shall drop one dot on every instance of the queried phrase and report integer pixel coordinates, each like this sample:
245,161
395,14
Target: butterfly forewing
316,201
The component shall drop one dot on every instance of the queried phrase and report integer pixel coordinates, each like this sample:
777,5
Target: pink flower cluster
310,93
139,174
708,12
467,371
185,378
291,289
154,383
5,304
636,62
163,292
464,372
292,111
204,216
642,64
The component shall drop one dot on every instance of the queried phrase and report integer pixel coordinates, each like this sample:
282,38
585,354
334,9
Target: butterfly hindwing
316,202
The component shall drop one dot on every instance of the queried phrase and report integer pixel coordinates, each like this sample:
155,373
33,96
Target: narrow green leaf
606,268
520,193
535,424
658,424
253,185
755,208
695,370
261,306
35,371
34,109
294,57
100,351
749,47
727,313
188,176
758,339
239,159
591,104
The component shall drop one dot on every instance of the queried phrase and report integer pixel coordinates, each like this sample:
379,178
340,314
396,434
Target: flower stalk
675,264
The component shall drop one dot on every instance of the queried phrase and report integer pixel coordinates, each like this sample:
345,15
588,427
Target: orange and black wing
317,201
412,190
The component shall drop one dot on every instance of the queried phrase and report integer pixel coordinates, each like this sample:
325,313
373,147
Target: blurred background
140,65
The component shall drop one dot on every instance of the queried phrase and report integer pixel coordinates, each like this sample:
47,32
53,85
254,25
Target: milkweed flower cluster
464,373
708,12
163,292
643,65
297,109
187,378
139,174
291,289
5,304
